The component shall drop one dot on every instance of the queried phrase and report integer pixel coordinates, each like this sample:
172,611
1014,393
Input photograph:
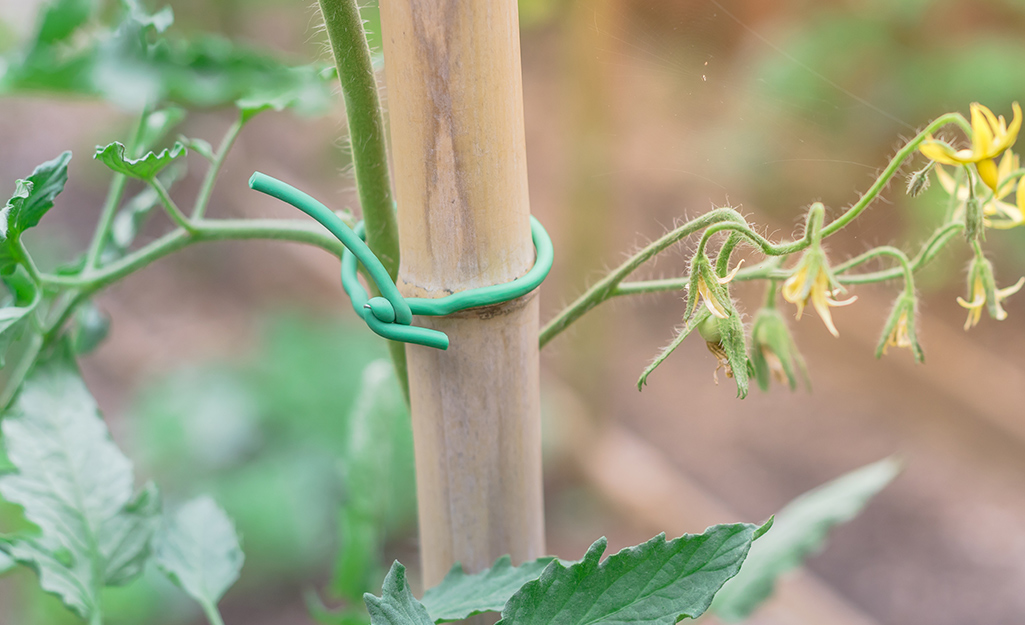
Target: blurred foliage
121,52
263,439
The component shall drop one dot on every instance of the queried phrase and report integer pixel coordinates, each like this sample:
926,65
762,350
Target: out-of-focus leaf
396,605
799,531
159,21
300,88
145,168
658,582
6,563
198,549
91,328
14,315
366,464
61,18
460,596
199,146
75,485
158,124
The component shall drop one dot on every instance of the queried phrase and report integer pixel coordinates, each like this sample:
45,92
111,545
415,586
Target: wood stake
456,108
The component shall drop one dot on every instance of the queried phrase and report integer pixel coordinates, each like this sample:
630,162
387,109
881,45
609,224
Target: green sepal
689,327
693,296
985,272
974,225
145,168
770,335
734,342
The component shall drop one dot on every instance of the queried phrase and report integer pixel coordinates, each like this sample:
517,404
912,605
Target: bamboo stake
456,110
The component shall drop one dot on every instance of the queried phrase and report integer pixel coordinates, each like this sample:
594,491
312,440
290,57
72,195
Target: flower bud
919,181
725,339
899,330
773,352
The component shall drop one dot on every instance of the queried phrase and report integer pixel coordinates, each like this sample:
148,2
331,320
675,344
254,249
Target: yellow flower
899,336
712,303
979,301
991,135
812,281
997,213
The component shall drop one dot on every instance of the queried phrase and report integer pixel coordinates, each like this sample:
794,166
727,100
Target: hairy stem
605,287
366,134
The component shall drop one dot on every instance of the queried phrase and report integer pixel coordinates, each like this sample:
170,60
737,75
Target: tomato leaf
75,485
198,549
144,168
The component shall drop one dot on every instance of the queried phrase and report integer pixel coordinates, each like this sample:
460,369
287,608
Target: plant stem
26,260
212,613
206,190
204,230
110,205
172,209
891,169
604,288
366,135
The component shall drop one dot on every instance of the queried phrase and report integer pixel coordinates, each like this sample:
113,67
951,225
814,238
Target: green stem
206,190
172,209
22,255
891,169
213,615
366,135
605,288
114,194
204,230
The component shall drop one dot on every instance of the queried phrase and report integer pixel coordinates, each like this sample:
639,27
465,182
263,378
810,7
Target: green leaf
75,485
367,462
62,18
145,168
199,146
14,317
297,88
799,531
47,181
6,563
460,596
198,549
396,605
8,226
658,582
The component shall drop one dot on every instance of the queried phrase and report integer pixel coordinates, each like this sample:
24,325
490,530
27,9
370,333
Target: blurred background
230,367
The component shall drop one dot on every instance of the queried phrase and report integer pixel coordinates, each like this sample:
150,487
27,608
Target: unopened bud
773,352
919,181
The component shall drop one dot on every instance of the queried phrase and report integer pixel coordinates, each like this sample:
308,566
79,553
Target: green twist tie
391,315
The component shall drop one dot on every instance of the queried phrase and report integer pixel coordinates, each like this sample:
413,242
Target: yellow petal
939,152
729,276
1009,134
946,180
711,304
982,130
1011,290
988,172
